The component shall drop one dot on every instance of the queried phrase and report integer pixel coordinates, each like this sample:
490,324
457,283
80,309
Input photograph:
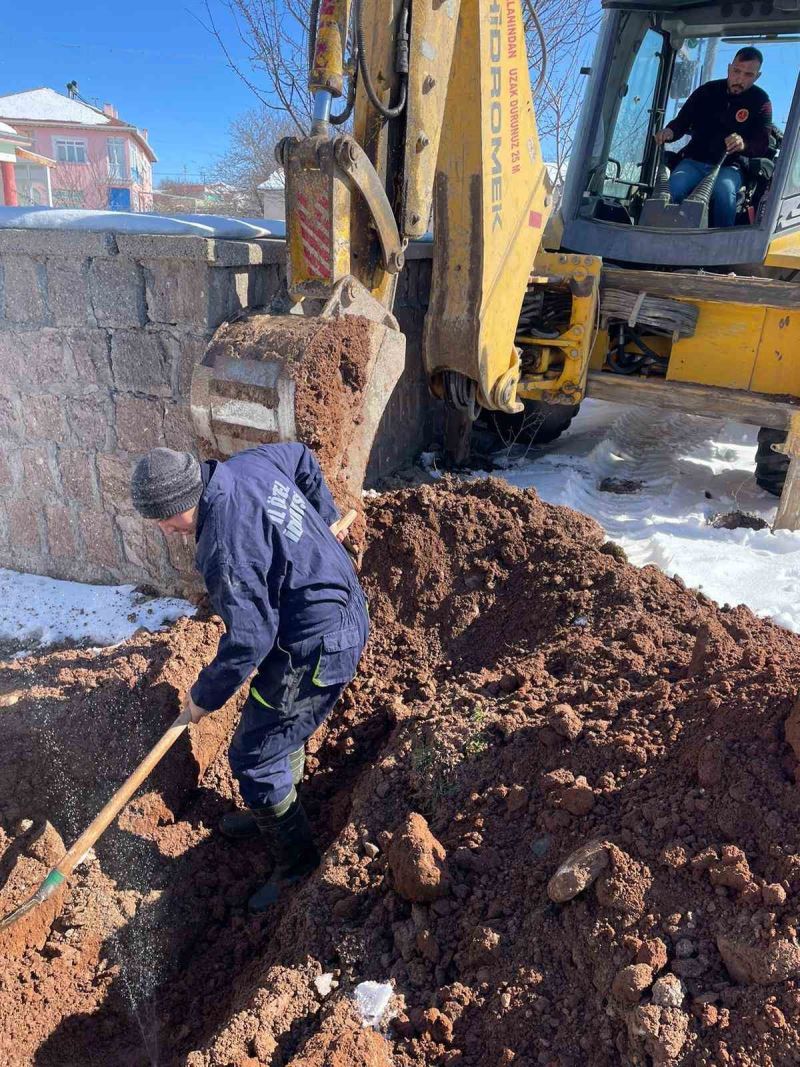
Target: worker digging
294,613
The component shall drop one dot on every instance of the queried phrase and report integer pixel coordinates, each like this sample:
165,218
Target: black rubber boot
292,847
242,825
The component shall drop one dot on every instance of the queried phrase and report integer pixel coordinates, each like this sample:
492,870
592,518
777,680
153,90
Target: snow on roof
46,105
276,180
7,129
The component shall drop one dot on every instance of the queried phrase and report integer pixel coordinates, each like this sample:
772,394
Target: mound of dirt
529,706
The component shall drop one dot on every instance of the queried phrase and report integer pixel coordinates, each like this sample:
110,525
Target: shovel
64,868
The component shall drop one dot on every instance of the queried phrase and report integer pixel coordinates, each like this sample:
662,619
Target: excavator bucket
323,380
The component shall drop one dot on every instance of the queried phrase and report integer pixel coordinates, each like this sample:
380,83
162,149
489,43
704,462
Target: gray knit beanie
165,483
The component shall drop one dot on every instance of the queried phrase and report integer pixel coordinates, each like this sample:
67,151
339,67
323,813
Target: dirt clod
417,861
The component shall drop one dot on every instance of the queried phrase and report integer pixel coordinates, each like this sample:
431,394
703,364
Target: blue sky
151,58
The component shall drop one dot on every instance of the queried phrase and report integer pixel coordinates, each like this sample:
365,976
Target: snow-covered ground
38,611
690,470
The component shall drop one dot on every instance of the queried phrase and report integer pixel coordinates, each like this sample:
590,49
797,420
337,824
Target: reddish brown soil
526,692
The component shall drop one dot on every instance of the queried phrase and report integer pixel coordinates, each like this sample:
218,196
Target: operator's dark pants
294,690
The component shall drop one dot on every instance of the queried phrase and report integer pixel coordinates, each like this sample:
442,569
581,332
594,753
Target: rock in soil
683,874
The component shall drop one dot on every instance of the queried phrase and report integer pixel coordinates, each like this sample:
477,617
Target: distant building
24,175
196,198
272,193
100,161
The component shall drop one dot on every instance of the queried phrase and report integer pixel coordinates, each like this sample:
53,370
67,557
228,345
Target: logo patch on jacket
742,115
286,508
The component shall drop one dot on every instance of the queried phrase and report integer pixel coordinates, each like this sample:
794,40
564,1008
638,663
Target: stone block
140,424
90,352
114,473
70,243
77,476
178,430
38,475
160,246
61,540
35,359
144,361
142,543
11,428
99,537
176,292
23,527
225,253
25,290
43,418
91,421
228,294
116,292
191,349
68,291
8,477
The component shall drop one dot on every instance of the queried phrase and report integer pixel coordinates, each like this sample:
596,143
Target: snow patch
372,1000
37,611
690,469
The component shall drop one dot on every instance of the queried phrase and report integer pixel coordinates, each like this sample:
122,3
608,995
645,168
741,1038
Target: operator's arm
300,464
757,141
683,121
241,597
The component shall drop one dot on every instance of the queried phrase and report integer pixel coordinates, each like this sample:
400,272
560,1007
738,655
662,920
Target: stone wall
99,334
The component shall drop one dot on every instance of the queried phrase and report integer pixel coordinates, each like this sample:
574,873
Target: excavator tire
771,466
538,424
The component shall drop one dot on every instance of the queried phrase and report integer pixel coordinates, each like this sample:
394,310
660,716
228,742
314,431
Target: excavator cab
647,62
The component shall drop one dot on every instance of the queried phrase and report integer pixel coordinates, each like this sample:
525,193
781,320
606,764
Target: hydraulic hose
671,317
313,16
401,62
540,31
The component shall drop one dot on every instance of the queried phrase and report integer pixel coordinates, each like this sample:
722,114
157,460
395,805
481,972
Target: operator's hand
341,535
734,143
194,711
664,136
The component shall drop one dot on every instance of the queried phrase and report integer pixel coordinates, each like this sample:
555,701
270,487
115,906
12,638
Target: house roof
45,106
8,133
276,180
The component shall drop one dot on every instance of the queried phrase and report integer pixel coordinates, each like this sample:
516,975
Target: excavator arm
443,125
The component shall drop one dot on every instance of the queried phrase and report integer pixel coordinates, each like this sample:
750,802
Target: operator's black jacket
712,113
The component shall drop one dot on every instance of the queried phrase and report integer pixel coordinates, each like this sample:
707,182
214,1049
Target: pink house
102,162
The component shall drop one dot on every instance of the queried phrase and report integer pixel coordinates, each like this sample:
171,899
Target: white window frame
117,168
78,147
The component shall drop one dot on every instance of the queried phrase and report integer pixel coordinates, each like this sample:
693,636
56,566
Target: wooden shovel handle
344,523
101,821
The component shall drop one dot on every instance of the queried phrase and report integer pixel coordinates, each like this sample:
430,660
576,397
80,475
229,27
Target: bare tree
250,157
569,28
81,185
275,35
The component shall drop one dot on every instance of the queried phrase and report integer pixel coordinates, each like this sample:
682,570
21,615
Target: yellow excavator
615,295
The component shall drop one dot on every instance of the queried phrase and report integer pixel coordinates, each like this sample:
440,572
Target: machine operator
731,115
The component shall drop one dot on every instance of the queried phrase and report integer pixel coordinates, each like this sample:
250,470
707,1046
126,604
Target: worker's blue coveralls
291,603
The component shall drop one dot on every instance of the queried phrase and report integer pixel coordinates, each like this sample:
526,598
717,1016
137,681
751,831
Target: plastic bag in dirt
372,1000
